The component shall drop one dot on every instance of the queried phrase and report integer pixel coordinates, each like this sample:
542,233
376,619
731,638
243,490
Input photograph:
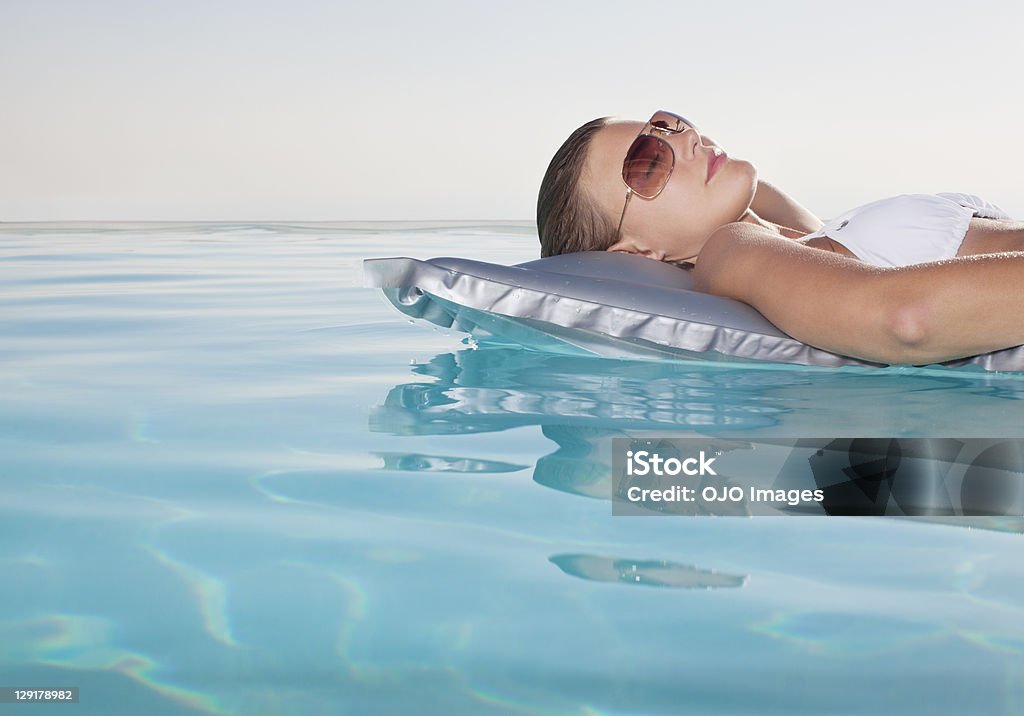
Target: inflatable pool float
606,304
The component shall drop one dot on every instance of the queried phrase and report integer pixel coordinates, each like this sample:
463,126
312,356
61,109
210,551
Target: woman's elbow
880,322
907,332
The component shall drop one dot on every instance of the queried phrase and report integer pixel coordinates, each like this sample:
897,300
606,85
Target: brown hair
568,220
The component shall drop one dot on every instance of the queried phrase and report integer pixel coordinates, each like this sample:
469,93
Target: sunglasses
650,159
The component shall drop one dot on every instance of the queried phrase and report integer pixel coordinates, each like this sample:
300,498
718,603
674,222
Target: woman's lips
715,163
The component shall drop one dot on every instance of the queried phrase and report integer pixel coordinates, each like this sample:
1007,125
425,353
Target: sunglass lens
670,122
648,166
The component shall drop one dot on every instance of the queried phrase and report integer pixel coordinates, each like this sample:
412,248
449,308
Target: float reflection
581,403
499,388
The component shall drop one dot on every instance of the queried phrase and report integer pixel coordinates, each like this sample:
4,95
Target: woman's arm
910,315
774,205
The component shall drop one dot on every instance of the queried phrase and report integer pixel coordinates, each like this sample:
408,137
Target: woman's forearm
911,315
774,205
963,307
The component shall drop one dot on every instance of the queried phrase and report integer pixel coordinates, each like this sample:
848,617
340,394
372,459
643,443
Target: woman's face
674,225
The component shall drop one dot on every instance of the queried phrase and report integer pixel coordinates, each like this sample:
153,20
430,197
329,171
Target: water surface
234,481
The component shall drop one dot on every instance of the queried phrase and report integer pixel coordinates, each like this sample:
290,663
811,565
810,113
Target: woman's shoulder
760,231
730,250
738,255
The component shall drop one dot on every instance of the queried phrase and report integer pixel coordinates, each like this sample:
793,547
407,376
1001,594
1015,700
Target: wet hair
568,219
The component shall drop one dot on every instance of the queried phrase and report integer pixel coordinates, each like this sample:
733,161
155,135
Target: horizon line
7,222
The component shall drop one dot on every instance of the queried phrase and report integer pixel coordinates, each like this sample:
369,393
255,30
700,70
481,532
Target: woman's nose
691,140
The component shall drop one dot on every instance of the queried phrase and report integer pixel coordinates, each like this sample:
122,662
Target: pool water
233,480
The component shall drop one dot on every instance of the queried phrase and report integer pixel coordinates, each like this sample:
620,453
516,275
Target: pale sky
316,110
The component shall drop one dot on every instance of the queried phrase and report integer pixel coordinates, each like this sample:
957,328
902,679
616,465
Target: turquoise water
234,481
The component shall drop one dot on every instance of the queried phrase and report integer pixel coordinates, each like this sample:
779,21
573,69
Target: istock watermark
905,477
643,462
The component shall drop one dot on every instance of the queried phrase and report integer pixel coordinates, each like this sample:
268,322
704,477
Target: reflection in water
493,389
582,464
904,477
649,573
581,403
496,388
933,477
418,462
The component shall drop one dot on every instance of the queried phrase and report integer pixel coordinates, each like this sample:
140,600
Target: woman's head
568,220
583,195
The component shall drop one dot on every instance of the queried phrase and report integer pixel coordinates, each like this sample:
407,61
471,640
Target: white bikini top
909,228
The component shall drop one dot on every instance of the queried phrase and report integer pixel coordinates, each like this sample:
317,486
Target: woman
662,190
